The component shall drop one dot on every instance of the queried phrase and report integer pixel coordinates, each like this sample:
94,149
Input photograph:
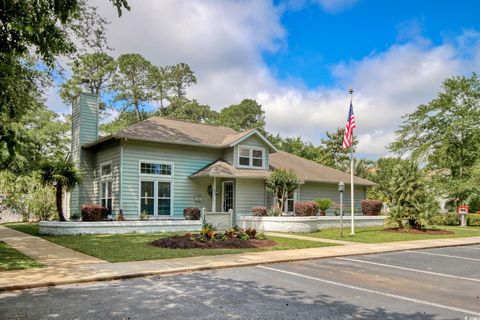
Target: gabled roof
158,129
222,169
308,170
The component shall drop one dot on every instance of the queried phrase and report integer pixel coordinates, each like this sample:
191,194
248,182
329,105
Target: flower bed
189,241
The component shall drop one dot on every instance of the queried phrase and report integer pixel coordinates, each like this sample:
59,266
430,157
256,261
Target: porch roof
223,169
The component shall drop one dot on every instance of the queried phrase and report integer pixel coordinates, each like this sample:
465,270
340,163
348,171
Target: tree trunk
59,196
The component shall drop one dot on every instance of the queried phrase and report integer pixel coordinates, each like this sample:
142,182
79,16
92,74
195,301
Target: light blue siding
109,153
84,129
252,141
311,190
249,193
186,160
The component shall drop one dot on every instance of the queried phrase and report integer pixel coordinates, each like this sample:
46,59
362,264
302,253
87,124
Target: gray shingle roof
308,170
221,168
158,129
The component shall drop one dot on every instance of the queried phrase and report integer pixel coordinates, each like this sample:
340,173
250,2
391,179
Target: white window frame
156,178
171,164
294,199
104,190
103,164
223,194
155,195
107,178
250,157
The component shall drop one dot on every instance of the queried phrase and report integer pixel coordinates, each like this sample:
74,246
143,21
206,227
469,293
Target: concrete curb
362,249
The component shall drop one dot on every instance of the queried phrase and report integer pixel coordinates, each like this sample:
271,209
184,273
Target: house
161,166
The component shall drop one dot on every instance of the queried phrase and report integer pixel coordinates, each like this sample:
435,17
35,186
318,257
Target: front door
228,195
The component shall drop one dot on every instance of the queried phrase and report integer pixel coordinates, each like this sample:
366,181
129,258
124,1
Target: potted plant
323,205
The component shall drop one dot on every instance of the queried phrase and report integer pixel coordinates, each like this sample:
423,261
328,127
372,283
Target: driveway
439,283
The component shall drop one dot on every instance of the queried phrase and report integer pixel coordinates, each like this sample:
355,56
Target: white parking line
385,294
443,255
410,269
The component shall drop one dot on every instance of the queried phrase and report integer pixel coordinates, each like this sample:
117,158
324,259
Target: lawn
135,247
376,234
11,259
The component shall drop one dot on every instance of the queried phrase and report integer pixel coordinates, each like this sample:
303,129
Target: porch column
214,195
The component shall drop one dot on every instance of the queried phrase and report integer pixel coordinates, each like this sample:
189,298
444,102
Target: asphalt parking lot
439,283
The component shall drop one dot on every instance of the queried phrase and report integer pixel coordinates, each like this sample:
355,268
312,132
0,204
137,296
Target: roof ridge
322,165
196,123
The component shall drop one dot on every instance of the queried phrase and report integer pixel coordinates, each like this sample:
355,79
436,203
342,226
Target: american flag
348,136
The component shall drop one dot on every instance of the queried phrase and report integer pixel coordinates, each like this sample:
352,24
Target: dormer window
250,157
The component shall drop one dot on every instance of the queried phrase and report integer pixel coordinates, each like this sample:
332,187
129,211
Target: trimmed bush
451,219
93,212
191,213
371,207
305,209
259,211
473,220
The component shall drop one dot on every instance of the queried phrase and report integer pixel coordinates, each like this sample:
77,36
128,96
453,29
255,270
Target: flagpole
352,207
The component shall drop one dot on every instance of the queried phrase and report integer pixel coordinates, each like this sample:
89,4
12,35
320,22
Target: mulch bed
193,242
415,231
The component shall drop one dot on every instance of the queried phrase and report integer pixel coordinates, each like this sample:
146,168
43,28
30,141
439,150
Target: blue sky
317,39
299,57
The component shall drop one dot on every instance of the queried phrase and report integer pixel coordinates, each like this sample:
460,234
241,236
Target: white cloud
223,42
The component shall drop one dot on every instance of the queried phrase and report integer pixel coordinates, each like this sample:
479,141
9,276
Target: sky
298,58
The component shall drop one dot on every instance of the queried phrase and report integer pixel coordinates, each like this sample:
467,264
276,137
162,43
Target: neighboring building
162,166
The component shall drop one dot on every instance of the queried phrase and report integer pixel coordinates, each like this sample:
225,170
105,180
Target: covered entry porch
233,189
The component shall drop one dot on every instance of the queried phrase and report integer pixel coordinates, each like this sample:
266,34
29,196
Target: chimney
84,130
84,122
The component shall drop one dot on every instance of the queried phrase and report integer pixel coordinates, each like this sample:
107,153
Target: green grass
135,247
376,234
11,259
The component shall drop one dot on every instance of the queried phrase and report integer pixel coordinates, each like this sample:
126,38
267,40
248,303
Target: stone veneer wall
118,227
305,224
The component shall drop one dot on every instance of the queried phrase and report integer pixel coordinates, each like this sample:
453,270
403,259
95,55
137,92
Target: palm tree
64,176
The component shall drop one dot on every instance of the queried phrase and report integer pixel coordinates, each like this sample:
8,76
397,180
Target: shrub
473,220
191,213
259,211
261,236
324,205
75,217
93,212
371,207
144,216
120,216
251,232
274,211
208,231
451,219
305,209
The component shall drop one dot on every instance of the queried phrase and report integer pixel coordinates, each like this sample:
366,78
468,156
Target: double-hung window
250,157
156,188
106,186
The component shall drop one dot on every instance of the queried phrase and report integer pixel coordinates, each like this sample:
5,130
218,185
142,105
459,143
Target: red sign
462,209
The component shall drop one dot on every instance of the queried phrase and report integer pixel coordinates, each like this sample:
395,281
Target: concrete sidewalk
43,251
65,266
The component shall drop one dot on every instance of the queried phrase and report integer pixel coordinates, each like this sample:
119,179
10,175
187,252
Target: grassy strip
11,259
135,247
376,234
